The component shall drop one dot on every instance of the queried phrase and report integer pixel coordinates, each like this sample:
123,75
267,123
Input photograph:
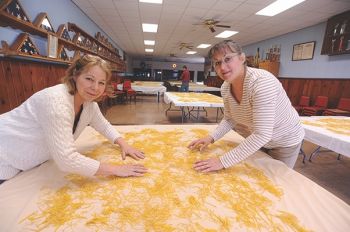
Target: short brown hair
230,44
80,66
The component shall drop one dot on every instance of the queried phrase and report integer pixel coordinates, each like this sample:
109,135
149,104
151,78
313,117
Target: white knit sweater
42,128
265,117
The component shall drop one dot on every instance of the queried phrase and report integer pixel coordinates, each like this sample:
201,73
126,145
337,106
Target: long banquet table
260,194
147,87
195,100
330,132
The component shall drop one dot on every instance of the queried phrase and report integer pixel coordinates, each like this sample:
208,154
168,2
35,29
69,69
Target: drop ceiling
121,20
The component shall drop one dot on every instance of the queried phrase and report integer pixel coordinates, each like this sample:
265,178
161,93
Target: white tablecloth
193,99
196,87
284,198
146,87
323,137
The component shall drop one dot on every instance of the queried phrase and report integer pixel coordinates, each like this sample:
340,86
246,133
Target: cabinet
271,66
336,40
12,15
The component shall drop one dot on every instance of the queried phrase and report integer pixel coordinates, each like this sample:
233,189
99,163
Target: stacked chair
343,108
318,108
303,102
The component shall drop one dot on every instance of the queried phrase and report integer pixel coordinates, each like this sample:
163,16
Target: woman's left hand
209,165
132,152
129,150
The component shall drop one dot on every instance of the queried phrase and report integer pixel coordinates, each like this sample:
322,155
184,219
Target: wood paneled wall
333,88
19,79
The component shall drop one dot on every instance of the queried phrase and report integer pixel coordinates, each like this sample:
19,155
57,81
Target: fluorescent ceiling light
278,7
226,34
203,45
149,42
152,1
148,27
191,52
149,50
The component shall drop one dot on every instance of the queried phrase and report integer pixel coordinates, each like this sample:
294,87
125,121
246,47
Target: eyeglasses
226,59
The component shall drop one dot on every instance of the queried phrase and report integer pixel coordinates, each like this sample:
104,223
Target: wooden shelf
101,49
336,40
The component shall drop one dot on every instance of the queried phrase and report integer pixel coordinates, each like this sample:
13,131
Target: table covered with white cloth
147,87
196,87
259,194
194,100
331,132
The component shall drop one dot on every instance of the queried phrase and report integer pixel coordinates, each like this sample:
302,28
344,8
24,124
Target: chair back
126,84
304,101
321,101
344,104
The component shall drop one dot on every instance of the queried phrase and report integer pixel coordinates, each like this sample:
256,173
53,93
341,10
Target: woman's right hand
129,170
201,143
124,170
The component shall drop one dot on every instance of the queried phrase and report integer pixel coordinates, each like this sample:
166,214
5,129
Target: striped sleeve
263,103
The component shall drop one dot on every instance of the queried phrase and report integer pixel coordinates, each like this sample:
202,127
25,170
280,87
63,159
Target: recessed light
278,7
149,42
191,52
203,45
152,1
148,49
148,27
226,34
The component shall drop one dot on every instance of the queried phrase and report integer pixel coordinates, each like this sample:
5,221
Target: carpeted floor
325,169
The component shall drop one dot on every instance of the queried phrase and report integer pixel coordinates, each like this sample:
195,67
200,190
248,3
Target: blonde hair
80,66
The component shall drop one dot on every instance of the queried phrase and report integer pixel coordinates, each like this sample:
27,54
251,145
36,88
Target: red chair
343,108
128,90
320,105
303,102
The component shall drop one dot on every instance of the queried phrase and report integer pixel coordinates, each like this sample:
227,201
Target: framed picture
303,51
52,43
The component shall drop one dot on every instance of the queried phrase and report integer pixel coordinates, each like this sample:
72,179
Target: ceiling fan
185,45
211,23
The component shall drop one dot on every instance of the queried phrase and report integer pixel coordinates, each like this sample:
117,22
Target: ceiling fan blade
225,26
212,29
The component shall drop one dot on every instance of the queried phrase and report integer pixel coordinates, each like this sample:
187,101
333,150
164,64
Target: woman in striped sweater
256,106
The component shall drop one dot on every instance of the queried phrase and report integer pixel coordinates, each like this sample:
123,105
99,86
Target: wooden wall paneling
4,102
40,79
14,88
26,77
333,88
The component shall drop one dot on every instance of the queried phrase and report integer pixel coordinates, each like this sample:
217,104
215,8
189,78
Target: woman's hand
209,165
129,170
121,170
129,150
201,143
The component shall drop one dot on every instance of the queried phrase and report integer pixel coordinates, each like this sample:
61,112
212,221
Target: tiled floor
325,169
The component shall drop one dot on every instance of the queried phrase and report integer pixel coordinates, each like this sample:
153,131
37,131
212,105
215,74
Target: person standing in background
185,79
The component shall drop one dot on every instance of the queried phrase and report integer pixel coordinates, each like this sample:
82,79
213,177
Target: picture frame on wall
52,43
303,51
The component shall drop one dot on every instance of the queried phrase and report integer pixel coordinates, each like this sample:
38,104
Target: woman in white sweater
46,125
256,106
